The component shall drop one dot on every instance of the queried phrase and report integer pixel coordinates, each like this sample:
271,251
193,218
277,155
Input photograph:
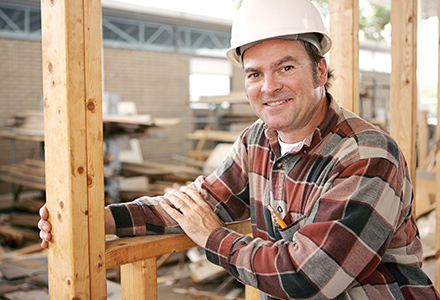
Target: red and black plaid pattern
346,197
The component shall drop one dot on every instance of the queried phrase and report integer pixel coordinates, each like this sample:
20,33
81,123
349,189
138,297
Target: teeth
276,103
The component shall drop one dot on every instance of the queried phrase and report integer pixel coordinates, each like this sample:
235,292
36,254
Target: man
340,185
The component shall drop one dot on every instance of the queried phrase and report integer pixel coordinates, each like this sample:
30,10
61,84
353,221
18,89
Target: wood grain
344,30
126,250
403,90
71,82
437,180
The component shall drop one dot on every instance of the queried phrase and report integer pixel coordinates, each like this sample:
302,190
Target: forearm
142,216
272,266
110,226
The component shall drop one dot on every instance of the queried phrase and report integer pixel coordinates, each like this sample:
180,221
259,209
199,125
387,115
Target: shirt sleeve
364,213
225,190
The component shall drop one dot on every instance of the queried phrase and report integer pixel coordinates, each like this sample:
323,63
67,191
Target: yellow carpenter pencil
276,216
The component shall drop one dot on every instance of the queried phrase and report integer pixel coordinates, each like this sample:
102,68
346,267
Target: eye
287,68
253,75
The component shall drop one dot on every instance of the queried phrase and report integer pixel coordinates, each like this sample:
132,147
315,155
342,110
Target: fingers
45,238
179,199
184,196
174,213
44,213
45,227
193,195
195,216
180,205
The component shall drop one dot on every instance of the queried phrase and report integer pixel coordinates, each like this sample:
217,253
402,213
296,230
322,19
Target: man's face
281,86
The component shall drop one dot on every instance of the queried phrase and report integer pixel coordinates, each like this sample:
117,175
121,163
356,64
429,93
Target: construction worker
329,195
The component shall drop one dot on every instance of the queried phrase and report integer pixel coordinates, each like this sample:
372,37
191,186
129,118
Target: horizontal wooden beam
122,251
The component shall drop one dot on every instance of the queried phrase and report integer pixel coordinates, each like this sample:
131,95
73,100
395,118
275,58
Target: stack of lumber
194,277
29,173
181,173
27,123
160,177
202,136
23,263
24,270
18,227
24,277
31,123
135,125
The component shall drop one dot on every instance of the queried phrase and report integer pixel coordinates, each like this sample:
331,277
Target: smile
277,102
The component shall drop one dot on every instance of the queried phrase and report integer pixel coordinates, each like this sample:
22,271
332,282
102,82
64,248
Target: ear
322,72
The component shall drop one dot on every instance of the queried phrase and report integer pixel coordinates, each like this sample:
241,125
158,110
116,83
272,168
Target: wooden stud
129,249
139,280
71,46
403,90
95,158
437,179
344,56
423,138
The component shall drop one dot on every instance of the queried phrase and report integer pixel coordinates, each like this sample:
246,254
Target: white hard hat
259,20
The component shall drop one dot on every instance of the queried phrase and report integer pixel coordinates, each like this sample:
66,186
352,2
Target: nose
271,84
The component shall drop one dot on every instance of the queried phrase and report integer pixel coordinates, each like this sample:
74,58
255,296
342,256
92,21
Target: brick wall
21,88
159,85
157,82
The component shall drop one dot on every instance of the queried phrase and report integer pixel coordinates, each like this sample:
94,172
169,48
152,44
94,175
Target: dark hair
316,57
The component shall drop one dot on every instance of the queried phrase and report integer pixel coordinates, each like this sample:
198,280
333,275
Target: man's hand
192,213
45,227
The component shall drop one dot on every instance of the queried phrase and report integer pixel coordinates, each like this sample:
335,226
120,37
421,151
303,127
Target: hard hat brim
321,41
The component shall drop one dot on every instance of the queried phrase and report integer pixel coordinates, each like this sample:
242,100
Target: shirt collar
327,126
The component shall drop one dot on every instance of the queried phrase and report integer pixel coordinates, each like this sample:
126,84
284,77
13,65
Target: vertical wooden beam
139,280
95,157
403,106
437,176
422,138
344,57
71,44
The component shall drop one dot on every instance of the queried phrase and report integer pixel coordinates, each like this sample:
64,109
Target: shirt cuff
123,221
220,244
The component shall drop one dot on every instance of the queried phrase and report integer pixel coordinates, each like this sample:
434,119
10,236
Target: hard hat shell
259,20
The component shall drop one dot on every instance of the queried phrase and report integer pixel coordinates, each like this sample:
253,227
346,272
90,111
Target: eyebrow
285,59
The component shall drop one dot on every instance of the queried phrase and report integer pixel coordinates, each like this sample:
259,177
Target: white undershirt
285,148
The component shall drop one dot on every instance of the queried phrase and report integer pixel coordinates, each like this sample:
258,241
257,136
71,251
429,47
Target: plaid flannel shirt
345,195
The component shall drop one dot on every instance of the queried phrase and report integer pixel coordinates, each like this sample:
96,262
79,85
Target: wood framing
139,279
403,90
137,258
437,178
71,44
344,57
